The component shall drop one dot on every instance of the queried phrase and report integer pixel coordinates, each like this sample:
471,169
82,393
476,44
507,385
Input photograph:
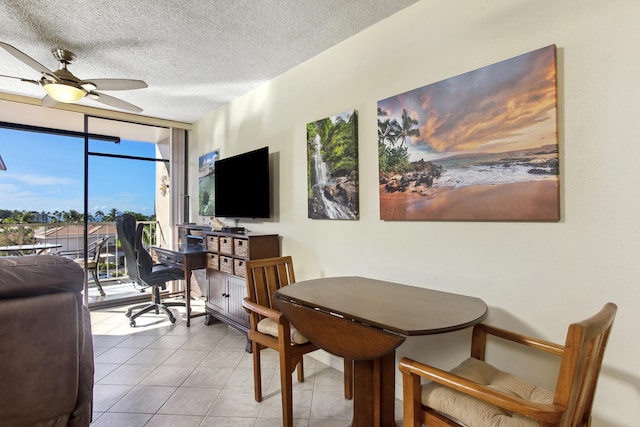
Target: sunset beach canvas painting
481,146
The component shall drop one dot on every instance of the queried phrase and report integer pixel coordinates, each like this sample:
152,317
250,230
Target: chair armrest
68,252
547,413
479,340
251,306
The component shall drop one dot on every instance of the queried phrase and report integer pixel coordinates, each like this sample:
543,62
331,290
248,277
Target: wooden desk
366,320
189,257
37,248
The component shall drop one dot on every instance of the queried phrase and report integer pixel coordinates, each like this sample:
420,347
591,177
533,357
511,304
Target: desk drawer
226,264
213,261
241,247
226,245
238,267
212,244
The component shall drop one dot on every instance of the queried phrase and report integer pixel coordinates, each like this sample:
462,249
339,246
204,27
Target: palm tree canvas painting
332,167
206,183
481,146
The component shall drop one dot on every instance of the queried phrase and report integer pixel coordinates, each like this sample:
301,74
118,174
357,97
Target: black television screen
242,185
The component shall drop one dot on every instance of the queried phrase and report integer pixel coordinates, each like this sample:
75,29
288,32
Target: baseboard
328,359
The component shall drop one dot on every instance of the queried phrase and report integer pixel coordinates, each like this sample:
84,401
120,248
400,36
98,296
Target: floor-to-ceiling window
127,176
44,185
43,179
121,178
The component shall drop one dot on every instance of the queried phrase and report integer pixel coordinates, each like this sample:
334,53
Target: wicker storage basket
238,267
226,264
226,245
213,261
212,243
241,247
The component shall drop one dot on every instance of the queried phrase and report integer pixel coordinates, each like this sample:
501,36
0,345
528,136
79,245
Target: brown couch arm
82,414
32,275
46,346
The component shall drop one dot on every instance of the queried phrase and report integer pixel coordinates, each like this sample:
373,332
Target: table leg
187,292
374,392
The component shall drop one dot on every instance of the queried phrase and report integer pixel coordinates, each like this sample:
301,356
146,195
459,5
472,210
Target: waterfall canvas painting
482,146
332,167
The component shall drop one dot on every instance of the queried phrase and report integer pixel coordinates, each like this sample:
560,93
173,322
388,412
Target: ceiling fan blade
35,82
114,84
26,59
48,101
114,102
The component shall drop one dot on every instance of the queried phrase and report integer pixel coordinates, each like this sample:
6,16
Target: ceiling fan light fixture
64,92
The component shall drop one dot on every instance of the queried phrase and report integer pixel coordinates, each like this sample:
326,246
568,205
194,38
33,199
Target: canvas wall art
482,146
332,167
206,183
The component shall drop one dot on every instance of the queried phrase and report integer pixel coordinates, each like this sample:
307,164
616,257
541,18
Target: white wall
535,277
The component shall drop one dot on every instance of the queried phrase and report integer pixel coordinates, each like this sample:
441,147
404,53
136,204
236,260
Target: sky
46,173
506,106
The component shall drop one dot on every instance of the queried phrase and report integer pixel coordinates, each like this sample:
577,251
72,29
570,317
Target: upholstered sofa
46,348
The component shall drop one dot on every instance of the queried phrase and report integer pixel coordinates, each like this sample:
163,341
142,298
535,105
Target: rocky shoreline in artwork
420,180
463,171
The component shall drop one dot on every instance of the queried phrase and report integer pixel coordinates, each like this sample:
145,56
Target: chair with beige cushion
477,394
270,329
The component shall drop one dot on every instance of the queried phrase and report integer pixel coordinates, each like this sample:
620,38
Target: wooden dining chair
93,261
477,394
270,329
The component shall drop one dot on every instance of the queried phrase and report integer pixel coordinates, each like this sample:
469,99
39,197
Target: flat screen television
241,186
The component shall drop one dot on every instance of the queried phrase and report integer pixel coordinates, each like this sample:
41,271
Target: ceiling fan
62,86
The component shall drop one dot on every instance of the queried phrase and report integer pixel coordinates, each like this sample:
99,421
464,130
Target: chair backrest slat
266,276
581,363
98,246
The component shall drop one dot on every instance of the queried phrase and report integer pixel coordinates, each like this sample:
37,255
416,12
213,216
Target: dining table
365,320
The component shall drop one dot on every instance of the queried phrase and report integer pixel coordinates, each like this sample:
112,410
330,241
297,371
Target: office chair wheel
128,314
132,323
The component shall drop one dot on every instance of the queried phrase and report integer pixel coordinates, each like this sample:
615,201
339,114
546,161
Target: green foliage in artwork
339,143
393,153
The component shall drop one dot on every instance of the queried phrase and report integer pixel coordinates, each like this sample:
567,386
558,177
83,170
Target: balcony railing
54,238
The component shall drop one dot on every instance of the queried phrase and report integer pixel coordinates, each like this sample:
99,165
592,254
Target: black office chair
143,271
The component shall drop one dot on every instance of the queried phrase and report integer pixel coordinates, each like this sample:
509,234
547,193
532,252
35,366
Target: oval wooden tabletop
405,310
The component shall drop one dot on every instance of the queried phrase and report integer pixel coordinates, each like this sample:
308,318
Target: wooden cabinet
225,299
226,256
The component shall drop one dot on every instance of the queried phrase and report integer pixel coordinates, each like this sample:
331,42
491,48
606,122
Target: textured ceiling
195,55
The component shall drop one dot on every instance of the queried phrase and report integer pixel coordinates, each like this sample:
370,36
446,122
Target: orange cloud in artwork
511,103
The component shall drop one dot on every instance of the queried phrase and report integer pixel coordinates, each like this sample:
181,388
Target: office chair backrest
145,262
128,235
139,261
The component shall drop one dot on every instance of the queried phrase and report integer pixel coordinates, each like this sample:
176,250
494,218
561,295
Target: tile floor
161,374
